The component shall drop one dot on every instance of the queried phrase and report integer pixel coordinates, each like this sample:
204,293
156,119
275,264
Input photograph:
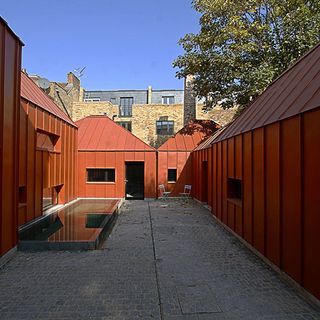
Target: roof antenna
79,72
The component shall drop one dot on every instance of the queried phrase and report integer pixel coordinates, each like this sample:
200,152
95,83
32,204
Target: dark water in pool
80,221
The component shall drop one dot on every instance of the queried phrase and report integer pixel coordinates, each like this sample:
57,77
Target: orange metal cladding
10,66
273,148
41,167
105,144
175,154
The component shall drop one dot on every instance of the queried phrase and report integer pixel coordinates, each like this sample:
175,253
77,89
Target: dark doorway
134,180
204,180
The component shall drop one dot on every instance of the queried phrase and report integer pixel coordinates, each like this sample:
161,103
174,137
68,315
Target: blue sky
124,44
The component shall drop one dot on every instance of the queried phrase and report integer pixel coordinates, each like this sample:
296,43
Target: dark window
165,127
125,108
234,189
172,175
101,175
168,100
22,195
125,124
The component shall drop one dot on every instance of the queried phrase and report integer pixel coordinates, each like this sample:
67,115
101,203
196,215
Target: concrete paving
163,260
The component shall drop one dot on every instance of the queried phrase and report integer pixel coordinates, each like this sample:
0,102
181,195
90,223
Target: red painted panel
23,146
231,158
239,221
238,157
31,139
311,203
272,140
214,179
38,185
231,212
172,160
258,186
150,175
247,187
291,197
224,181
114,160
210,180
46,123
219,180
53,169
204,180
10,65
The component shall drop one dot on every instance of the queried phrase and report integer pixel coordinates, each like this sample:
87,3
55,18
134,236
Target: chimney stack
189,104
149,98
75,86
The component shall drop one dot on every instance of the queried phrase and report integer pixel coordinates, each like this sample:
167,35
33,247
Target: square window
165,127
172,175
167,99
234,189
100,175
126,124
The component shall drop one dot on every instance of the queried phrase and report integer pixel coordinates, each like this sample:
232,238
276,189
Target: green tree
243,45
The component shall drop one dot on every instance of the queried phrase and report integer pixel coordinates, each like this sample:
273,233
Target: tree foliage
244,45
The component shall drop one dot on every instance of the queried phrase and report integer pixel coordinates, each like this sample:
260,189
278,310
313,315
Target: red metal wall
115,159
179,160
10,65
279,212
39,169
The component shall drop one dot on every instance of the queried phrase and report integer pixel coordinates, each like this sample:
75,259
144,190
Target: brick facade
144,117
61,97
217,114
70,97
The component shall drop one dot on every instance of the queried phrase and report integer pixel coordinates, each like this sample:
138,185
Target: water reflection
81,221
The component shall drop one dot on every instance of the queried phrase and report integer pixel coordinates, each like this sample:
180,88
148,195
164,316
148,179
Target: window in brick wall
167,99
165,127
125,108
91,100
125,124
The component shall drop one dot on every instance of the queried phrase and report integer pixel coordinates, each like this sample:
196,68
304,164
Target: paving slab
172,262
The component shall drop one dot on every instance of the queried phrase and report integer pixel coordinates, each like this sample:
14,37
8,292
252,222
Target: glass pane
172,175
101,175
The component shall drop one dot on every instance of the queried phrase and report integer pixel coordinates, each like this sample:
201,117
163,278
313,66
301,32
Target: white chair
186,191
164,194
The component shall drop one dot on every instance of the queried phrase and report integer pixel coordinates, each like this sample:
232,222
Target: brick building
152,115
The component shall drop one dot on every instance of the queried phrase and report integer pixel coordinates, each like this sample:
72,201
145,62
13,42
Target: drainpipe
157,169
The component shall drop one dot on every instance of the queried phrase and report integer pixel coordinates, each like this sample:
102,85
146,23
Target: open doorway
134,180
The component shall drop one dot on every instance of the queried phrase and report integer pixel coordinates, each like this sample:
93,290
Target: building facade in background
152,115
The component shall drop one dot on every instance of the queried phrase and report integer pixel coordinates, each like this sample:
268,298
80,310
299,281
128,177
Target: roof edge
103,116
257,127
172,137
54,115
11,31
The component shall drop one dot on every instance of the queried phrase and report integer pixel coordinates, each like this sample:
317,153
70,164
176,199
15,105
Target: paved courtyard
163,260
